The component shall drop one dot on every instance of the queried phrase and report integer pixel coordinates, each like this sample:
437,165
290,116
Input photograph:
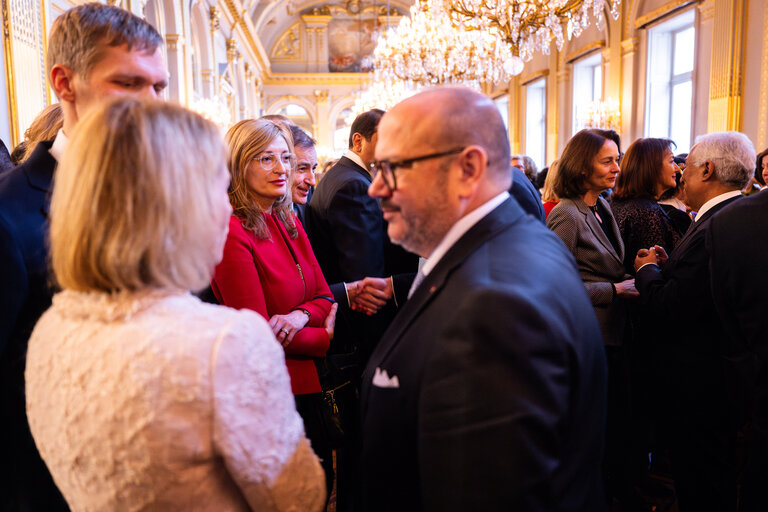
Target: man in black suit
487,392
701,397
737,242
130,62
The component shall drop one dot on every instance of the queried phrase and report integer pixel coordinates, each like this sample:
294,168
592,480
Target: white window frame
536,91
660,77
586,87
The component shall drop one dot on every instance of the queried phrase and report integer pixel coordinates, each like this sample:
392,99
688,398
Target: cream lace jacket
162,402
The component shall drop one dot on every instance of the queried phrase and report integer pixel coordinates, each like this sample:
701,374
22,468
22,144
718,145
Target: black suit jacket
689,334
737,243
526,194
500,369
25,293
348,236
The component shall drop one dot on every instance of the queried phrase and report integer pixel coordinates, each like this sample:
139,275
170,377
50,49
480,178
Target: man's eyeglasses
268,161
387,168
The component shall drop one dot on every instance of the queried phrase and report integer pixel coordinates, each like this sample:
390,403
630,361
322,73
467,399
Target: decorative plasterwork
661,11
215,18
173,41
288,47
630,45
316,79
321,96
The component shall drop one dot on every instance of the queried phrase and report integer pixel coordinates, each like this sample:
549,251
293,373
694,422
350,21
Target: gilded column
632,101
725,88
322,128
515,119
565,98
553,111
762,128
174,45
317,39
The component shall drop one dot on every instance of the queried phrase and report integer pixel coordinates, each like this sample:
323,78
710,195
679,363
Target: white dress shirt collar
457,231
714,201
356,158
60,143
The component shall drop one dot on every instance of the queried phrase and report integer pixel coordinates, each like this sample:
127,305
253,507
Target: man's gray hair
732,153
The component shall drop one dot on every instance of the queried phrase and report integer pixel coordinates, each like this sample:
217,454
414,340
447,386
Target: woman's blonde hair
548,192
134,200
246,140
45,127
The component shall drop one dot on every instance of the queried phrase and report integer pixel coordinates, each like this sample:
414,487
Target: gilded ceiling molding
665,9
318,79
241,20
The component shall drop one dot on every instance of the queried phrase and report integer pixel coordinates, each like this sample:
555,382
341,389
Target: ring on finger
284,331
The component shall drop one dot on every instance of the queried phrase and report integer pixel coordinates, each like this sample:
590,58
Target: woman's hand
330,321
626,289
285,327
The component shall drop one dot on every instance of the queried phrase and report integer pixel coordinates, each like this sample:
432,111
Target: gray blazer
599,265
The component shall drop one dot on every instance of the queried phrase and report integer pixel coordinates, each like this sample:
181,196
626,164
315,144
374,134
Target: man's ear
708,172
357,142
61,82
473,162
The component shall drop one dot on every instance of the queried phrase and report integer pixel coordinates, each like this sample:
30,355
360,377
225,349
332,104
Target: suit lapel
597,231
39,169
698,224
499,219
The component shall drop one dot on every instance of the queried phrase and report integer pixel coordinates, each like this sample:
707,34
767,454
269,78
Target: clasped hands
370,294
656,255
285,327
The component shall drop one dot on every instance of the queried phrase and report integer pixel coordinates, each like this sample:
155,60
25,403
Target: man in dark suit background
487,392
701,388
737,242
129,62
348,236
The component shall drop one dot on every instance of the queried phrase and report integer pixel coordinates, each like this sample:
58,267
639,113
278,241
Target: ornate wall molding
318,79
665,9
725,79
762,128
588,48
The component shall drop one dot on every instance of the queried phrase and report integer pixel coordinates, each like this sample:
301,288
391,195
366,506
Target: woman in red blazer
268,265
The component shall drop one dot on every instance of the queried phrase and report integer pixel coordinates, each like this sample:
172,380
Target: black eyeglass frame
387,168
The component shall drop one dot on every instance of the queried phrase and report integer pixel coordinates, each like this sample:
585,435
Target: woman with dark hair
648,169
583,220
761,168
268,265
589,166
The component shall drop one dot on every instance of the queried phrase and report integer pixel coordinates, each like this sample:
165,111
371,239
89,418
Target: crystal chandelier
528,26
429,49
604,115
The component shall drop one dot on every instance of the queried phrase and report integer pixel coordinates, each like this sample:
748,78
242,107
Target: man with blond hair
95,52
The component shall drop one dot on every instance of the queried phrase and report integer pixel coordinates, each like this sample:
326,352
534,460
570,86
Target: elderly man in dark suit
737,243
487,392
129,62
701,395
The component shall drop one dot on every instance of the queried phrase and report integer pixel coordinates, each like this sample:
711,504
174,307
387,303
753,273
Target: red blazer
262,275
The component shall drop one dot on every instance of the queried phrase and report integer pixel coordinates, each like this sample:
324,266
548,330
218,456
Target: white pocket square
382,380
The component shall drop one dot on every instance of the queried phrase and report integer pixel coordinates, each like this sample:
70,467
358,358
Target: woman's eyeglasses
269,160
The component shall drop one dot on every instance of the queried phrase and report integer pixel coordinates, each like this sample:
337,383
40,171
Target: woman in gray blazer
583,220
